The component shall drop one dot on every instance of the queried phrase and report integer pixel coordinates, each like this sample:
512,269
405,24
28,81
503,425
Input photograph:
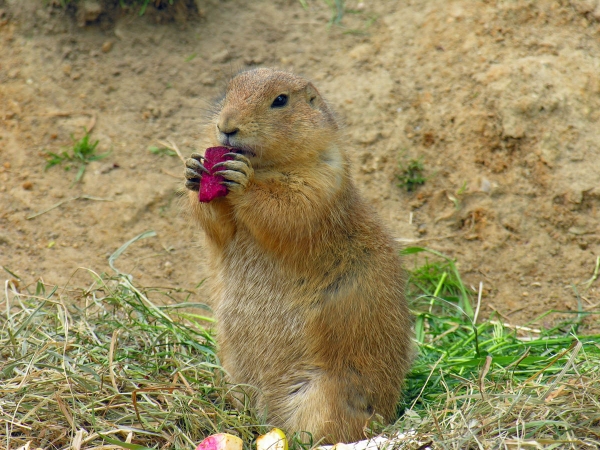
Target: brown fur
310,306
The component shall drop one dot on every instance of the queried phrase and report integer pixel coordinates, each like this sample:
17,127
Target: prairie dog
310,302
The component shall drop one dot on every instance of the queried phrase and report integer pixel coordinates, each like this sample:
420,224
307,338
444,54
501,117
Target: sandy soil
499,100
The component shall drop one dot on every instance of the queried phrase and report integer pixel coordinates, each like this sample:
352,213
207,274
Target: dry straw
114,365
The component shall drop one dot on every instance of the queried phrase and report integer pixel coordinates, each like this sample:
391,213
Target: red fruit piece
221,441
210,185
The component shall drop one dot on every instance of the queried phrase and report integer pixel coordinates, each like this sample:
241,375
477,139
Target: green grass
337,8
161,151
114,362
411,175
80,155
489,383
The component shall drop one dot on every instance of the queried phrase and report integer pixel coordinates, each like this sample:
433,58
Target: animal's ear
315,101
312,96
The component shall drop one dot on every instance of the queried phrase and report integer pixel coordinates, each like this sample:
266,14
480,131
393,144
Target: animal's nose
229,132
228,123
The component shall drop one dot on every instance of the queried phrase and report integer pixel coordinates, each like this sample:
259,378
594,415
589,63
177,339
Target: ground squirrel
309,305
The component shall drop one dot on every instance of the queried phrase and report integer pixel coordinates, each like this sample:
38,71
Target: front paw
193,171
237,173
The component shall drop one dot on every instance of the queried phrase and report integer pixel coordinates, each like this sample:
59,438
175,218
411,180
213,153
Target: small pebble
107,46
486,186
207,79
221,57
28,185
6,165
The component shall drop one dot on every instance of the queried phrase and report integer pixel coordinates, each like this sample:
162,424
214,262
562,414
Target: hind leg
330,408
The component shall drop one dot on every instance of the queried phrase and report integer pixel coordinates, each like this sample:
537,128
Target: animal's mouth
244,151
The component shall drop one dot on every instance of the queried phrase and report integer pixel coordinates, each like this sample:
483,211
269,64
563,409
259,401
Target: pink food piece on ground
221,441
210,185
210,443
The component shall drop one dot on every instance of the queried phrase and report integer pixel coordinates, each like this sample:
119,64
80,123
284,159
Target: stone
88,12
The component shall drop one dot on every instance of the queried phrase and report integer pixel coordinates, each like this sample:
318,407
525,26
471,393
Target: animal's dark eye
280,101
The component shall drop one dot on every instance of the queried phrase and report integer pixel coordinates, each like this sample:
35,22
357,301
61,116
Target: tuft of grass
161,151
489,384
117,364
411,175
111,362
142,4
190,57
82,153
367,23
337,8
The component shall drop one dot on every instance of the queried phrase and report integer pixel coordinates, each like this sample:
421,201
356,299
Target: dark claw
191,174
223,164
193,184
198,156
196,166
238,157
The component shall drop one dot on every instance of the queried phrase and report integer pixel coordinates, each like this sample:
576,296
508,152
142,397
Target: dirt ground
498,99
